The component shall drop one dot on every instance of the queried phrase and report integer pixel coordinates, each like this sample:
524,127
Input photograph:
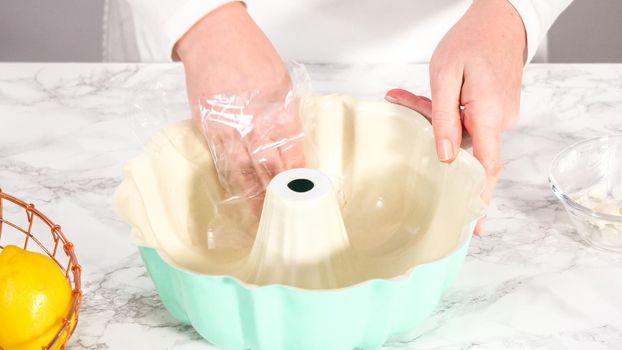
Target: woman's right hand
239,93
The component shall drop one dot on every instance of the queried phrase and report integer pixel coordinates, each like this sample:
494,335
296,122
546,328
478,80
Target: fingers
250,144
235,169
266,160
487,149
485,126
421,104
292,153
446,86
512,109
275,144
278,140
291,134
479,228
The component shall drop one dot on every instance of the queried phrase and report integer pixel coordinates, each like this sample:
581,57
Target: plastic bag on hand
251,136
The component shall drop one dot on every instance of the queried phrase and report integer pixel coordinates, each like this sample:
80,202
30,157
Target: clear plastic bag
251,135
254,135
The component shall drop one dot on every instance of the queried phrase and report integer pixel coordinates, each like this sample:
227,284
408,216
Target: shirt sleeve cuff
538,16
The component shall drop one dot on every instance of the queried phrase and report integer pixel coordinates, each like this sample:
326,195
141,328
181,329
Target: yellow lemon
35,296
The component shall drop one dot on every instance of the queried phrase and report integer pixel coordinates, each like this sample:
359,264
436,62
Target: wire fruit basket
21,224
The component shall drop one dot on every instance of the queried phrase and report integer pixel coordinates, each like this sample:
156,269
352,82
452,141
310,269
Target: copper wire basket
56,246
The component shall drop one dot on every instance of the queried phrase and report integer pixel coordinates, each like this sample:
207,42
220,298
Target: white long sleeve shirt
314,30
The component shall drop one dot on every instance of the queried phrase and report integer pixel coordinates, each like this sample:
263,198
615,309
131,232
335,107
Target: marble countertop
529,283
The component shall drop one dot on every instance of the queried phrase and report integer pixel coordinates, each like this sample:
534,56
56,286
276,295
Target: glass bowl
587,179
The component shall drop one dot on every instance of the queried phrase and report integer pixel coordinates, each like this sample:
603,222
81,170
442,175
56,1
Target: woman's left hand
475,78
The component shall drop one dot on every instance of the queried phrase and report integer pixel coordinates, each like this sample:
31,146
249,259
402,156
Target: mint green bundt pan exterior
234,316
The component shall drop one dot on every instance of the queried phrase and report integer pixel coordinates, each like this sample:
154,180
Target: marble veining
529,283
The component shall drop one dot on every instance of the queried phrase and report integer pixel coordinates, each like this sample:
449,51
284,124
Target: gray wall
51,30
589,31
71,30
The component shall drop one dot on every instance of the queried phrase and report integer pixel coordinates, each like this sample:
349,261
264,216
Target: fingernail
390,99
445,150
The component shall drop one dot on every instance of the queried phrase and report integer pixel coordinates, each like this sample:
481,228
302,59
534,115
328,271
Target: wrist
505,21
209,26
226,52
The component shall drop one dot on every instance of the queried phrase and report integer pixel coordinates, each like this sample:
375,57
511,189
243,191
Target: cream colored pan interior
399,205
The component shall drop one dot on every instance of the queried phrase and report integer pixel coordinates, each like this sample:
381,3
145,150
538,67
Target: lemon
35,296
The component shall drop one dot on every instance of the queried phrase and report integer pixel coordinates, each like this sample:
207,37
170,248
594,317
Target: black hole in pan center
301,185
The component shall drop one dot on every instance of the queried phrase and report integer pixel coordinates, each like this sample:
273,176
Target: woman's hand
475,77
238,90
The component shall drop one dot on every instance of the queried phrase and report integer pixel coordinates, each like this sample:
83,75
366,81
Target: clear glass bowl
587,179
